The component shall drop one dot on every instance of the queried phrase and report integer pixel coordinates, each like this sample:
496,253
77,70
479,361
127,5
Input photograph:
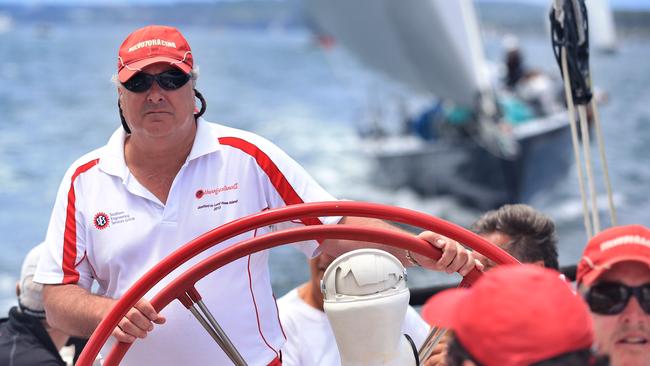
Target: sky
619,4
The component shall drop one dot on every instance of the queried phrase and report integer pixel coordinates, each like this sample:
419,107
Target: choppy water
57,102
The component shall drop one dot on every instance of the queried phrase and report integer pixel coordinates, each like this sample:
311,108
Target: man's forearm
73,309
454,257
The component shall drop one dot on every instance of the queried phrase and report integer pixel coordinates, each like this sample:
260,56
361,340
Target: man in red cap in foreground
164,178
614,278
517,315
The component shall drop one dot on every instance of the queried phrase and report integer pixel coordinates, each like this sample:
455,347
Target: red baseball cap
515,315
611,246
150,45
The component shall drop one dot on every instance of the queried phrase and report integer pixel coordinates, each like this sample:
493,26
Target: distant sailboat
6,23
601,25
435,46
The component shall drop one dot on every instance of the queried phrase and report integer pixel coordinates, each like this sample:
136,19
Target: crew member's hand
438,356
137,322
455,258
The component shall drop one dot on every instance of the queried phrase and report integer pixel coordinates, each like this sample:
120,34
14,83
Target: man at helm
165,177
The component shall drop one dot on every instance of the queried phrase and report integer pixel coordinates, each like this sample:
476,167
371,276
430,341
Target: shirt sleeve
63,259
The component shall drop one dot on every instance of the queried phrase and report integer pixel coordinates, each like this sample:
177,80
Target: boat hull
462,168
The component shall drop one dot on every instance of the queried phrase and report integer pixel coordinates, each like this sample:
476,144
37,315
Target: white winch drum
366,298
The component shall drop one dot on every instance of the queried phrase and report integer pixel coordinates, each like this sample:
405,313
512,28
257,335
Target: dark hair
196,115
532,233
456,354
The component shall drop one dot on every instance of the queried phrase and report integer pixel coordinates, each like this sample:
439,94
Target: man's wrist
410,259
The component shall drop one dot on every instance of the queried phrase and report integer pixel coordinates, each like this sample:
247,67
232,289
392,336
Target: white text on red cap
151,43
627,239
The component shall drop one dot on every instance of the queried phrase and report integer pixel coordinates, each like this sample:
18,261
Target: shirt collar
206,140
112,160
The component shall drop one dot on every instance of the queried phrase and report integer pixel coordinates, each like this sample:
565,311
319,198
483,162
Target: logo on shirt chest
102,220
202,192
219,198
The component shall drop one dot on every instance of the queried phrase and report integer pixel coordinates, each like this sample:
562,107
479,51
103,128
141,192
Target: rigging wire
603,161
576,144
586,147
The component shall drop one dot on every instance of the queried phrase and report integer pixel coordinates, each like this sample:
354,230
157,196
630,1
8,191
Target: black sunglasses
610,298
168,80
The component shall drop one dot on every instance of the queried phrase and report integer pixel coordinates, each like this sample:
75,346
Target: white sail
431,45
601,25
6,22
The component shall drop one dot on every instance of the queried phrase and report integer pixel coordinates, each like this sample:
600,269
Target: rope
574,139
586,147
603,161
570,42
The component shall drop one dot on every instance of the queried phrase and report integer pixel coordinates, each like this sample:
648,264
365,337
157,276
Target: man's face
497,238
317,267
157,112
625,337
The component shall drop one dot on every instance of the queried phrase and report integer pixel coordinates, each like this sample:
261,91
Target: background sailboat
601,25
435,47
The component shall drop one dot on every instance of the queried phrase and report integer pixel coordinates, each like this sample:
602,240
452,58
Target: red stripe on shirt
277,313
257,314
279,181
70,273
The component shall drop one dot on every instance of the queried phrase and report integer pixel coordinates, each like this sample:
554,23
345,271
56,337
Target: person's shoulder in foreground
614,277
26,339
515,315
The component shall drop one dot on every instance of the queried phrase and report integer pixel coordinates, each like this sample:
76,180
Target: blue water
57,102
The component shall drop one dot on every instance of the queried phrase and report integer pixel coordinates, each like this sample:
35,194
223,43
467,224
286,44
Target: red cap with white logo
611,246
150,45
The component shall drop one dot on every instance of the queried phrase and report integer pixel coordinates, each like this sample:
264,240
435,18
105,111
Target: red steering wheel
183,289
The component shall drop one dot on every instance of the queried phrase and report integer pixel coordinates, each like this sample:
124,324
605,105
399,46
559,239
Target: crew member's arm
76,311
455,258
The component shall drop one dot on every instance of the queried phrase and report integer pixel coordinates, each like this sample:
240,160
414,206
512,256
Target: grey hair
194,76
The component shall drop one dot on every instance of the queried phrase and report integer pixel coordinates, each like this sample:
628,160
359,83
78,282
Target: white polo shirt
107,227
